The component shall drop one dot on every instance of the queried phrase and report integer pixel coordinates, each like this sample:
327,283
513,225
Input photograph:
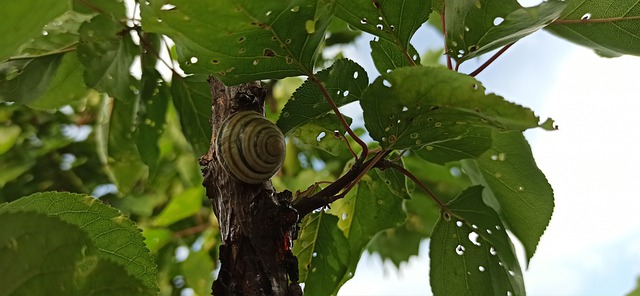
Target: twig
344,123
444,33
418,182
491,60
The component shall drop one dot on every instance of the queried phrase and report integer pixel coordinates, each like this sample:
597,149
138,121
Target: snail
250,147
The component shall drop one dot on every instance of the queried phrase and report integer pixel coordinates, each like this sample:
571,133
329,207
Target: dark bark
257,225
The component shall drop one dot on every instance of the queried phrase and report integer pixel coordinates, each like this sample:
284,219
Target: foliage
96,102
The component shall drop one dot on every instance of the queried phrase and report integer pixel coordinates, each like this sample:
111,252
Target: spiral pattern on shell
250,147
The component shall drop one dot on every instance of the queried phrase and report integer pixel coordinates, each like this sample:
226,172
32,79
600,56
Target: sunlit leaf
344,81
418,107
8,137
477,27
248,40
611,26
114,235
515,187
470,251
181,206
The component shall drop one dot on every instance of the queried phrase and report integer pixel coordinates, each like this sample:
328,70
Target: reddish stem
444,33
490,60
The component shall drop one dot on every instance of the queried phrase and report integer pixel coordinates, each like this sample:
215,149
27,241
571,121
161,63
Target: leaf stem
491,60
366,169
35,56
444,33
600,20
419,183
343,122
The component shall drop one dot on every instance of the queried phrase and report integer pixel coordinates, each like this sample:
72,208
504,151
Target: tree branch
491,60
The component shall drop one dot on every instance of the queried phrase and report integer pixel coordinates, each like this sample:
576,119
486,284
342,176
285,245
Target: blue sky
592,244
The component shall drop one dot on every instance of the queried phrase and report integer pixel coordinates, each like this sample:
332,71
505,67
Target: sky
592,244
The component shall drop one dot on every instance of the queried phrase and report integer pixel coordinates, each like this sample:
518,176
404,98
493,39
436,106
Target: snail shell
250,147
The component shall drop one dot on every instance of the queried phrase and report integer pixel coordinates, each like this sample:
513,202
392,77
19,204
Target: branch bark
257,225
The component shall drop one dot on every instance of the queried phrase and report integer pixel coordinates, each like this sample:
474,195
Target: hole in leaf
460,250
268,53
193,60
492,251
379,26
473,237
215,62
241,39
392,27
355,74
255,62
459,223
481,268
167,7
345,93
586,16
386,83
320,136
363,21
497,21
295,8
268,13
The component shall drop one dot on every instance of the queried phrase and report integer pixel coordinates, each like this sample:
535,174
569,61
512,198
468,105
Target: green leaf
323,253
613,37
181,206
116,8
320,133
344,81
197,271
387,56
362,215
396,182
636,291
393,20
414,107
47,256
24,80
248,40
106,51
59,36
152,110
15,31
471,144
116,238
192,100
66,86
515,187
470,251
8,136
477,27
397,245
116,147
156,238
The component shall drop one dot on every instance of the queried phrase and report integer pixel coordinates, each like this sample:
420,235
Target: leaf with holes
116,238
393,20
344,81
320,133
610,27
477,27
396,181
414,107
248,40
48,256
387,56
192,99
323,253
371,209
470,251
106,51
515,187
